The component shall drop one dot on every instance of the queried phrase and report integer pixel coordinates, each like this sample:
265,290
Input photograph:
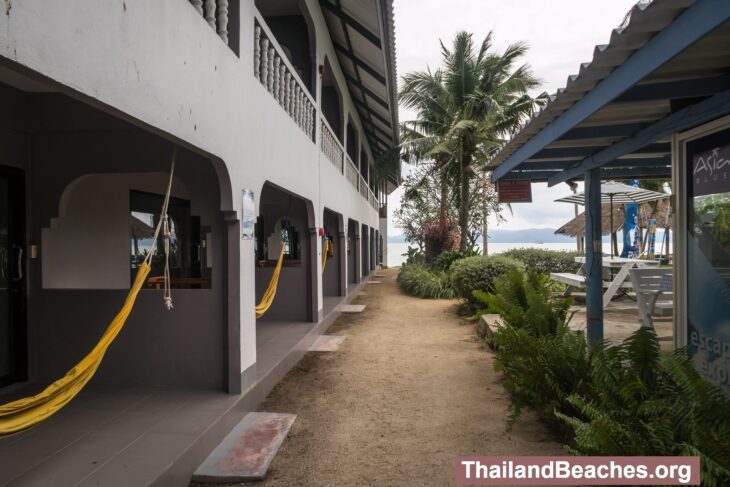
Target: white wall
92,231
160,63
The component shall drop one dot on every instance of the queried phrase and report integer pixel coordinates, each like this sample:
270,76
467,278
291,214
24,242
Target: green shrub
417,280
545,261
445,259
524,301
478,274
645,402
414,256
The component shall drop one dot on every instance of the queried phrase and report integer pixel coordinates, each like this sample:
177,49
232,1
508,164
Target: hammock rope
270,292
24,413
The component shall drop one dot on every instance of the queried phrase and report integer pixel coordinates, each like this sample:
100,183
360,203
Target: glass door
708,255
12,276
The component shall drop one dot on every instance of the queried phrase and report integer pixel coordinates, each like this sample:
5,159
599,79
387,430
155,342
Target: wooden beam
360,63
352,22
691,116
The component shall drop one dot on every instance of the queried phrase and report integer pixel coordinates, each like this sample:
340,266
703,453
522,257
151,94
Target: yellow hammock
23,413
270,293
327,251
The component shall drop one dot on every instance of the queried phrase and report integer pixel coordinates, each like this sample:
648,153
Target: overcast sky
561,35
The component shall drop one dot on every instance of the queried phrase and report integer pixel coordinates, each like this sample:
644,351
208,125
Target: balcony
275,72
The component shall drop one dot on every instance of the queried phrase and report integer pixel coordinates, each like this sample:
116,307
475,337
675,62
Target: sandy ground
408,391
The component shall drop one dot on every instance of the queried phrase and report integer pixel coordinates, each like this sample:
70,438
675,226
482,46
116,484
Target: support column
341,255
358,257
315,312
594,257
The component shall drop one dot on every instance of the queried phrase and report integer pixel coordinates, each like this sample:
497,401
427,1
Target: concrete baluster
277,65
222,14
257,52
270,70
210,12
263,62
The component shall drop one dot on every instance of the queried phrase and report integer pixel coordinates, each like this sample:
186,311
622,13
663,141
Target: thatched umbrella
609,226
613,192
140,231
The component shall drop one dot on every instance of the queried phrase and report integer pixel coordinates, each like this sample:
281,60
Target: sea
396,258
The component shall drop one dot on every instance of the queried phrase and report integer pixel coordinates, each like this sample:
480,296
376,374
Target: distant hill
503,235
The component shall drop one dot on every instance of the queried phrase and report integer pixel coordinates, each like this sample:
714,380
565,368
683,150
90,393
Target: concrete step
326,343
248,450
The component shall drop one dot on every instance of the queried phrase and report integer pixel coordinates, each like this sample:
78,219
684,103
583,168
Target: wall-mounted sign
519,191
248,215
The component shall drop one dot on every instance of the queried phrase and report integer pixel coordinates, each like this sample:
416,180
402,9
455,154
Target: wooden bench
654,290
579,280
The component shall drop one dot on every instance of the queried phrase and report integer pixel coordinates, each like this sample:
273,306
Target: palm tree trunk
443,207
464,207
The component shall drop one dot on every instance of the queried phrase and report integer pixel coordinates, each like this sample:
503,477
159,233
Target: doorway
12,276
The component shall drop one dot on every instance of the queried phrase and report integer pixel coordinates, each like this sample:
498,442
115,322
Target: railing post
594,257
275,91
270,70
210,12
256,52
222,14
262,60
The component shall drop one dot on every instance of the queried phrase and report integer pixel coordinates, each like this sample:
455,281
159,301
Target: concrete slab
352,308
248,450
373,282
327,343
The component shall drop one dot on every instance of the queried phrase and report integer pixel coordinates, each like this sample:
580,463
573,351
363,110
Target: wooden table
618,268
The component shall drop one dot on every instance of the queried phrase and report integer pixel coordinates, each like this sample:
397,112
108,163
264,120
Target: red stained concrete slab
248,450
326,343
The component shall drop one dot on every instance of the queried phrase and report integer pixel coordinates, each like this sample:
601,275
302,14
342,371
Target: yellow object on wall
24,413
270,293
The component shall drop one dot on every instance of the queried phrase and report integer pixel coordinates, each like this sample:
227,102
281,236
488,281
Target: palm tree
466,109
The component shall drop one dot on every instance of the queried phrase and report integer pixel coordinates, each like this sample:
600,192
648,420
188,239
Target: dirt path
408,390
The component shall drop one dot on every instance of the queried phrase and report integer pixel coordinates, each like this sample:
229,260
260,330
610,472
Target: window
187,248
267,246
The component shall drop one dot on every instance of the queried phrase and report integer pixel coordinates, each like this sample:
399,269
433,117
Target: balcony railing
274,70
363,187
331,147
372,199
215,12
351,171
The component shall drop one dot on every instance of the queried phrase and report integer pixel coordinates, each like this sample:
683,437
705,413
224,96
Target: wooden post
594,257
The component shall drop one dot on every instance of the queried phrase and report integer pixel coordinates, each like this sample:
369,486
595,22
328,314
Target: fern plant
643,402
524,301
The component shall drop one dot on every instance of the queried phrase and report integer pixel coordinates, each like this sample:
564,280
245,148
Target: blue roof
666,69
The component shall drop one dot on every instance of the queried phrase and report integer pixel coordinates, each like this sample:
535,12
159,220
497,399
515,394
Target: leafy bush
542,371
478,274
417,280
414,256
645,402
524,302
545,261
445,259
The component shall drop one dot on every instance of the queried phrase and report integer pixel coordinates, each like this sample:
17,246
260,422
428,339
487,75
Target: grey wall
331,274
185,346
293,295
